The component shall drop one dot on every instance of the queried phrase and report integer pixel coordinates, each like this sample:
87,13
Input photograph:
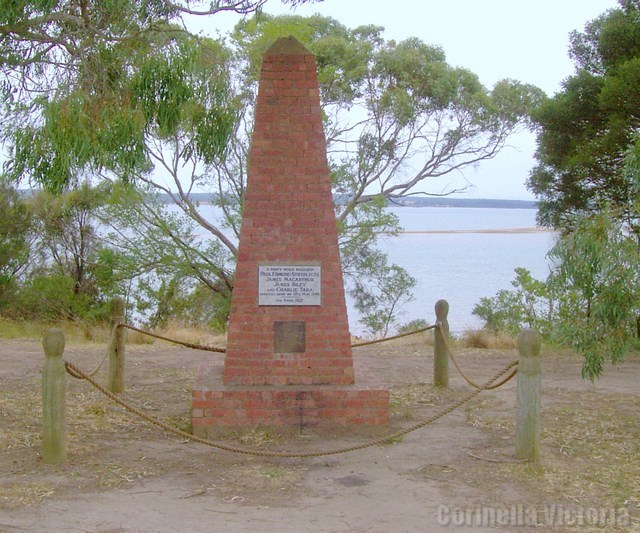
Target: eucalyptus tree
162,260
115,90
397,114
136,98
64,227
65,81
47,46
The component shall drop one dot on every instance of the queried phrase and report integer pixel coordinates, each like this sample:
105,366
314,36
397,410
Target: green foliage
58,276
15,225
599,266
172,272
591,300
585,129
416,324
166,88
530,304
588,182
65,226
380,300
195,305
183,87
51,297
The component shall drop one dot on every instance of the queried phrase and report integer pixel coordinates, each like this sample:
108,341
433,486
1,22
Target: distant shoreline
505,231
412,201
430,201
464,202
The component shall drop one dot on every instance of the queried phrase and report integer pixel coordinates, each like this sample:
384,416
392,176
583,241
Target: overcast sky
519,39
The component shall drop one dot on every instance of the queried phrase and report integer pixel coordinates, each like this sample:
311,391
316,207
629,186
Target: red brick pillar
288,322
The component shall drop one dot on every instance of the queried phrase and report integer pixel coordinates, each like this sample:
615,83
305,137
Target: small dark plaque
289,337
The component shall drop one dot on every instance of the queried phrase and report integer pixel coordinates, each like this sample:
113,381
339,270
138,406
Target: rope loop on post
470,381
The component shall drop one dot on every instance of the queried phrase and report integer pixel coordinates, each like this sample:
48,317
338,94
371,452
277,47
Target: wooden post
440,355
54,426
528,396
115,380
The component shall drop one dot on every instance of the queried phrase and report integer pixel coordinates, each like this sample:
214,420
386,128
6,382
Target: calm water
462,267
459,267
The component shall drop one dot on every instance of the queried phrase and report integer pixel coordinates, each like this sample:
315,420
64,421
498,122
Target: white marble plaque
289,285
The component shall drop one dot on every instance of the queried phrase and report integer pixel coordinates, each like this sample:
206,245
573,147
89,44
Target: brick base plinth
218,408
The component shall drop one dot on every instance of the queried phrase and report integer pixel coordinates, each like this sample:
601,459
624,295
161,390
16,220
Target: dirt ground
123,475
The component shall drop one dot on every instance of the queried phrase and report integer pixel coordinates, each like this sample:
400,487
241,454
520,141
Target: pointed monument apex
287,46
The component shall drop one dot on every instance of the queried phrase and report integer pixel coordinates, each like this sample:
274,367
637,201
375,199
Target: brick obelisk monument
288,359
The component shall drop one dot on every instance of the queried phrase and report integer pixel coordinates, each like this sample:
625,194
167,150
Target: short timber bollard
115,380
528,396
54,375
440,355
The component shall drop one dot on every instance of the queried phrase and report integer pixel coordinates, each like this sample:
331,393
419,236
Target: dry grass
603,443
113,475
22,411
88,415
482,339
13,495
590,441
79,332
589,454
406,399
74,331
196,335
257,437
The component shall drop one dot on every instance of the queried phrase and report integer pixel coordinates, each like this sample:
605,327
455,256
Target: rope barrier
356,345
72,369
368,343
468,380
183,343
223,350
495,382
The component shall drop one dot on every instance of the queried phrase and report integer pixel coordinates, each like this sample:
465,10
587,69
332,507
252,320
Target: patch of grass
181,422
475,412
421,394
406,399
395,440
400,410
99,333
596,446
257,437
275,472
18,329
21,411
135,337
589,454
73,331
14,495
